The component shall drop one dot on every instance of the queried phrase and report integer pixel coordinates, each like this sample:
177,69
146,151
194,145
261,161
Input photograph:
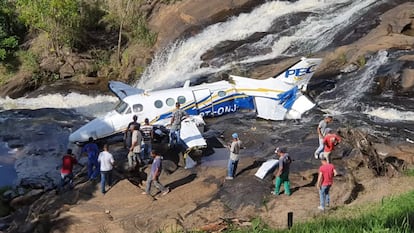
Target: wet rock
17,87
83,66
66,71
407,81
9,195
401,151
350,68
51,64
400,18
189,17
26,199
88,80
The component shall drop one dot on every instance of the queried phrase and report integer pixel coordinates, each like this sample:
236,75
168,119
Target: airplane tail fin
300,73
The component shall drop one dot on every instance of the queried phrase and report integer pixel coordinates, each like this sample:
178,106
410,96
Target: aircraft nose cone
98,128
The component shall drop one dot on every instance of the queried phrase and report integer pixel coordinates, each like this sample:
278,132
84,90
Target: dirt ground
199,199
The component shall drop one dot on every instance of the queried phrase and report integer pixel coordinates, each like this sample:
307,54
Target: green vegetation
409,172
10,29
395,214
4,208
361,61
58,18
342,59
60,27
127,17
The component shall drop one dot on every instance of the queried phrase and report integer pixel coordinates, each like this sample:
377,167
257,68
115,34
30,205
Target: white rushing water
353,88
182,60
92,106
390,114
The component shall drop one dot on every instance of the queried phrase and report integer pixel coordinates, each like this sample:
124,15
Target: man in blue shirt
92,151
154,175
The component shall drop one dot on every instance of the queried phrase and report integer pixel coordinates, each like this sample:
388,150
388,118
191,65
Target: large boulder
190,16
407,81
17,87
389,34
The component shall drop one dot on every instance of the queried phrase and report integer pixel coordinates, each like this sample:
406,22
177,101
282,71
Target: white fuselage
272,98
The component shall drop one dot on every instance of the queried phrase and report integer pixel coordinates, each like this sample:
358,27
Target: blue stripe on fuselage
226,105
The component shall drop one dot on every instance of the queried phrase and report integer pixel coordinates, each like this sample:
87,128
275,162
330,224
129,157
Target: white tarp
266,167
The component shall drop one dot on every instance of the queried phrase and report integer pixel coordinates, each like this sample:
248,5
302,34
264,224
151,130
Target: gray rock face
41,138
189,17
407,81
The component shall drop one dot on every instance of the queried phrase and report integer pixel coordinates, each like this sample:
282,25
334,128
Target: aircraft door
203,102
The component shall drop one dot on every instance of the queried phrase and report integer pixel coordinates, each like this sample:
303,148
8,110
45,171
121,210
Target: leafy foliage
59,18
9,27
128,17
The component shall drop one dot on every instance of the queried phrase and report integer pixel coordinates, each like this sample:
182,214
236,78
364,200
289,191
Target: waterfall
182,60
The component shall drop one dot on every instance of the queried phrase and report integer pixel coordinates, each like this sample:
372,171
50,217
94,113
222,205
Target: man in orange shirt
66,172
329,141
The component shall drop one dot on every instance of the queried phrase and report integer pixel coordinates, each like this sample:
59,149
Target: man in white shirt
106,161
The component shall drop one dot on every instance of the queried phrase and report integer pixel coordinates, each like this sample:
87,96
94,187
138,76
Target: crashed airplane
276,98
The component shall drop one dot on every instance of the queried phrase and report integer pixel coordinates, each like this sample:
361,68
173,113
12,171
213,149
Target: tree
129,19
8,38
59,18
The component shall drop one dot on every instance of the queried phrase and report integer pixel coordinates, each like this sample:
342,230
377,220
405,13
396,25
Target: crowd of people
138,141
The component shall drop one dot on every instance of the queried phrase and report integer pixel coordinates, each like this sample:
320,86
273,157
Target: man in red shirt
325,180
66,172
329,141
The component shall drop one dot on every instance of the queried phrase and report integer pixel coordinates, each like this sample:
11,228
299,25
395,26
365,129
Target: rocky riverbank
371,168
371,165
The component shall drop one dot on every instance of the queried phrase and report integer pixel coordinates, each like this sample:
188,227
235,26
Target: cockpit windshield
121,106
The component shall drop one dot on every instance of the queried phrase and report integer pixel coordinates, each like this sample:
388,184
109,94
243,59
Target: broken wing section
269,109
190,132
288,105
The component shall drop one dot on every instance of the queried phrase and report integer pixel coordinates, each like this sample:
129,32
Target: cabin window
158,104
137,107
181,99
170,101
120,108
128,111
221,93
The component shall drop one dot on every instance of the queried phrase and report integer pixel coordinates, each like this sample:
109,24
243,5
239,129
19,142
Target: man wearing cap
321,134
325,180
282,174
234,157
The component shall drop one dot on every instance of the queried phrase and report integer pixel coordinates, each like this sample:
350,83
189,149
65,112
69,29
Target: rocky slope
200,198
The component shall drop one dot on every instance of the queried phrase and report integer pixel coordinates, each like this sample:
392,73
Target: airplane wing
190,134
123,90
